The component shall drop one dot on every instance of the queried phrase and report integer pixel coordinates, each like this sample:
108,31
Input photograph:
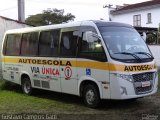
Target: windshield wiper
145,53
132,54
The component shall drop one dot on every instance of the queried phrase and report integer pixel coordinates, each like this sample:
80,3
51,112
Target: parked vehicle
93,59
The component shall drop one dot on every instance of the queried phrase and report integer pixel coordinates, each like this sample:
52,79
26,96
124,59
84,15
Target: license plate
146,84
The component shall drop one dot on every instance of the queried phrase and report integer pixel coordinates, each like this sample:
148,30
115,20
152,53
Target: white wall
8,25
128,17
155,49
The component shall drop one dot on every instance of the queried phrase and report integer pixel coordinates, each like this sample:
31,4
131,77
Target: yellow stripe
82,64
116,67
10,60
95,65
89,64
131,68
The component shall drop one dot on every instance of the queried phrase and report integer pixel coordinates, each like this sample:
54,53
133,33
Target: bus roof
46,27
108,24
99,23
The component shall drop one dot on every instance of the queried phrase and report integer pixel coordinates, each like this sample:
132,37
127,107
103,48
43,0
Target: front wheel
26,86
91,96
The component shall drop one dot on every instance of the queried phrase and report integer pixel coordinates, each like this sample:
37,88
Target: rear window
12,45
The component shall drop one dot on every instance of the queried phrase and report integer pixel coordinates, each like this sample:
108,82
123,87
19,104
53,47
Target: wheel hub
90,96
27,87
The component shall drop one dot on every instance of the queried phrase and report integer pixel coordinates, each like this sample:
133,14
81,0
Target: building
145,18
145,14
8,24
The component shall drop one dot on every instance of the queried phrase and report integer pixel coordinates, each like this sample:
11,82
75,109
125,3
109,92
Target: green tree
151,38
50,16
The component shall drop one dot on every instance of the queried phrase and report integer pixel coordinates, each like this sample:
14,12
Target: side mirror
90,36
144,36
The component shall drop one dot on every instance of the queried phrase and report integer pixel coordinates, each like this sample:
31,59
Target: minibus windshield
125,44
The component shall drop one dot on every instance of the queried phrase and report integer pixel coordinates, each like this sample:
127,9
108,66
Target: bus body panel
96,72
11,71
125,89
68,76
45,75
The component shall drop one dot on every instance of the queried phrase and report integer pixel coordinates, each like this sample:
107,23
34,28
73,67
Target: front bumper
123,89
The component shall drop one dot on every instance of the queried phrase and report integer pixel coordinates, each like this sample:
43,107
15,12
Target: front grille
143,77
143,89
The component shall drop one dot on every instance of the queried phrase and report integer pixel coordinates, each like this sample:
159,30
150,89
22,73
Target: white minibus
92,59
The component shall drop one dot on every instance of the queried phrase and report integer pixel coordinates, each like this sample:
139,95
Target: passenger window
68,46
29,46
13,44
48,43
90,47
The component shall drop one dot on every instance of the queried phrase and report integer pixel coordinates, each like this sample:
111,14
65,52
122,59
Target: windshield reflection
125,44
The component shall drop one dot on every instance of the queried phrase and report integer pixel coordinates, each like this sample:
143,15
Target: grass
14,101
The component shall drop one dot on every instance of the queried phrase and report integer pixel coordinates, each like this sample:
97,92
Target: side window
68,45
90,47
48,43
29,45
13,44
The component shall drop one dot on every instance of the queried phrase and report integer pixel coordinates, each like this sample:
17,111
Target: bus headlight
124,76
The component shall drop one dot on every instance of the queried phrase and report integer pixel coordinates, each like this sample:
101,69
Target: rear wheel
26,86
91,96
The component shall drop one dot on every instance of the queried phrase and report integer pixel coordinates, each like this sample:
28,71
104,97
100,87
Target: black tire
91,96
26,86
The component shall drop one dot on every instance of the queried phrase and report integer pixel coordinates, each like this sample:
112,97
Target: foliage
151,38
50,16
158,37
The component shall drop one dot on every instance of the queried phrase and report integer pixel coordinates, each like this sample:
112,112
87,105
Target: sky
82,9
